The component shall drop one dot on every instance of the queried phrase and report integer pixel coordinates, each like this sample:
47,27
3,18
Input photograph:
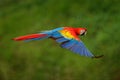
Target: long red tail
31,36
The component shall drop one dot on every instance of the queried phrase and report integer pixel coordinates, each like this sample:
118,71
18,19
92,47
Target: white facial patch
82,31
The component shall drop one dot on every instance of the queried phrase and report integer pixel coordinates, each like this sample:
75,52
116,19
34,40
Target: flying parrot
67,37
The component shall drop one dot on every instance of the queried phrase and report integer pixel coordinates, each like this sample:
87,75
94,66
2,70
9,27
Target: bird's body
67,37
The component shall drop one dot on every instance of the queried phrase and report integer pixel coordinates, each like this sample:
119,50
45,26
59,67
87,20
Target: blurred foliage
45,60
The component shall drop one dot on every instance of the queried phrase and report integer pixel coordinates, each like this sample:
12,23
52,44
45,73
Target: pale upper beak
85,32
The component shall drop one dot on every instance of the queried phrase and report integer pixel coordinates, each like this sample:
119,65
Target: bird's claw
98,56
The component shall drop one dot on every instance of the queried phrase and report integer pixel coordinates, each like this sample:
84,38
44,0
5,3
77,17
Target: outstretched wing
68,41
77,47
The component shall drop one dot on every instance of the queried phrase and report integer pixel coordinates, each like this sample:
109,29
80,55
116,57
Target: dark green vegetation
45,60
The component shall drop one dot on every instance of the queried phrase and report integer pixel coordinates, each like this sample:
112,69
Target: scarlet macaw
67,37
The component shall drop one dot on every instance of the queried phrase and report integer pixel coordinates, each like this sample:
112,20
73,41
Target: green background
46,60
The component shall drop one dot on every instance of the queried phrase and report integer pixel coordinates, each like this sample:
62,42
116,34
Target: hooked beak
85,32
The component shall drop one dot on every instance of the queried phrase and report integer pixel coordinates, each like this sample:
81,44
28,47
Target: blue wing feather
56,35
61,40
77,47
52,31
68,44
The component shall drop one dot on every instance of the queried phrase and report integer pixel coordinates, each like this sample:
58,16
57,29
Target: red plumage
31,36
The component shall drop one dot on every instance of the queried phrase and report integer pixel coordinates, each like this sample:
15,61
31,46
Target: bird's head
81,31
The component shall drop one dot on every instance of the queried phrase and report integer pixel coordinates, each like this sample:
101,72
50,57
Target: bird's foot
98,56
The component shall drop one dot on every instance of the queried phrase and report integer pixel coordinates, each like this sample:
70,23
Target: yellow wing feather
66,34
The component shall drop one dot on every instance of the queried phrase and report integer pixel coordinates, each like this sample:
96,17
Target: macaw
67,37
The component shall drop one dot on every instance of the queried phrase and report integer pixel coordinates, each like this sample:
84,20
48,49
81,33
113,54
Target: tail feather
30,37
